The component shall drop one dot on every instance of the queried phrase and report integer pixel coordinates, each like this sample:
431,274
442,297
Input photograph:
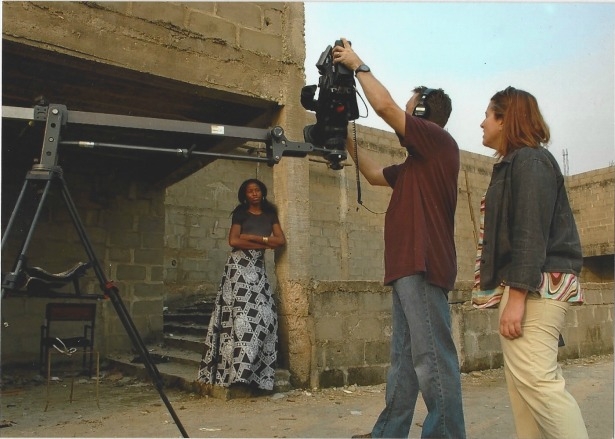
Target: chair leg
83,358
43,360
41,353
48,377
72,382
72,388
97,377
90,366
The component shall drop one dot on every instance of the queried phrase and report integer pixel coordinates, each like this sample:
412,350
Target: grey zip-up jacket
529,226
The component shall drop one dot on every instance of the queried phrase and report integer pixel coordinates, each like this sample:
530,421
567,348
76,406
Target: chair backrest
71,312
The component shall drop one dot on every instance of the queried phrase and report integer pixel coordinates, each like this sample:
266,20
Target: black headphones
422,109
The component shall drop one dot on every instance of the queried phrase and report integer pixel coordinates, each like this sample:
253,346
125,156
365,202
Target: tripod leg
9,226
147,361
11,279
112,292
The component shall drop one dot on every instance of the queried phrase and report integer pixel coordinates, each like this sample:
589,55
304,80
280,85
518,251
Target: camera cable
356,161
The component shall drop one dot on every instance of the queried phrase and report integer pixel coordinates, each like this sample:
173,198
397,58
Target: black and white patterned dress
241,341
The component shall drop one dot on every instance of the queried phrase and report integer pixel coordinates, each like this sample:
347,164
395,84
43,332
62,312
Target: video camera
335,107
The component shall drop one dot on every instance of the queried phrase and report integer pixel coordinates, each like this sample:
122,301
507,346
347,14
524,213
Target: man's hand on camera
346,56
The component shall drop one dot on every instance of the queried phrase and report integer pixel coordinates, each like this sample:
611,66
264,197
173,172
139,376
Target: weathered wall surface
225,45
349,308
591,196
251,49
197,224
352,327
126,234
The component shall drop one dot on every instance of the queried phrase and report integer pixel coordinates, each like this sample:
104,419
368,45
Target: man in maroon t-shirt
419,256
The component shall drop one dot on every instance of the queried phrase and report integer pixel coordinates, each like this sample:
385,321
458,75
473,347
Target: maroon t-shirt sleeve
423,138
390,174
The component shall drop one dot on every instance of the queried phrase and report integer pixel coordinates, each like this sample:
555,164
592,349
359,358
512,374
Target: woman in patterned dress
241,341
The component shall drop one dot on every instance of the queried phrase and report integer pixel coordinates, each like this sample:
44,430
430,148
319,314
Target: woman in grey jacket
528,262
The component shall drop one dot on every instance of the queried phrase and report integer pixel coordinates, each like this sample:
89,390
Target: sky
562,53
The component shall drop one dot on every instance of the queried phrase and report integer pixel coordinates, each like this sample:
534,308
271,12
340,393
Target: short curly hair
440,105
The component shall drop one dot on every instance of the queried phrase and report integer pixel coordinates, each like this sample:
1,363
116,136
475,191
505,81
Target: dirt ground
131,408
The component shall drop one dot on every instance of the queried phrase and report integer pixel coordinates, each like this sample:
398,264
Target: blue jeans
423,358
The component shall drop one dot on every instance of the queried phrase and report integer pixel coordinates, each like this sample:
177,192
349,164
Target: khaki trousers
542,408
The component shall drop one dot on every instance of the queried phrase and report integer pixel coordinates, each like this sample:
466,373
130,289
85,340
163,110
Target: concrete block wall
126,233
198,221
204,43
349,308
474,176
588,329
347,237
251,49
592,196
352,329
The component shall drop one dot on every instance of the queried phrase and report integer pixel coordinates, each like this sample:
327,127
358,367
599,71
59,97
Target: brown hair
523,124
440,106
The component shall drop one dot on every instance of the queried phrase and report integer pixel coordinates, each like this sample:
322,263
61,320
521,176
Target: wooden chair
59,334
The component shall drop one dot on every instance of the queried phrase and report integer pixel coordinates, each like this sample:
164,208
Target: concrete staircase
178,356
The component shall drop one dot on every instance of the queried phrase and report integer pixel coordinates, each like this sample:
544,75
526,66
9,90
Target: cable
64,350
356,161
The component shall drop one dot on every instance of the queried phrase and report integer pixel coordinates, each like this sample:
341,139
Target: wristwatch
362,68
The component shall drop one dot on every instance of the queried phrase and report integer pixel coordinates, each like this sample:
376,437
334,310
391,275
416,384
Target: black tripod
48,174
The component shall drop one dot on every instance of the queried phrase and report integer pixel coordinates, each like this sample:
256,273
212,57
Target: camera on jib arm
335,107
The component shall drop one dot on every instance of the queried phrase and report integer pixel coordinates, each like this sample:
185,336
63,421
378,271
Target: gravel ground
130,408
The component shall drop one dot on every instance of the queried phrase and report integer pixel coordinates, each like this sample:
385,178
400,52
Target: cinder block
329,328
331,378
168,12
244,14
260,42
363,327
367,376
131,272
377,352
208,26
148,257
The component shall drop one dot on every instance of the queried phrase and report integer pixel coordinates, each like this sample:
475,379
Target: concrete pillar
292,194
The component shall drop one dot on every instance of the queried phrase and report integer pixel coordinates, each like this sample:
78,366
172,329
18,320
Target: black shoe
358,436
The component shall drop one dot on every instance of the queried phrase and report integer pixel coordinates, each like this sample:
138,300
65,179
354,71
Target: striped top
564,287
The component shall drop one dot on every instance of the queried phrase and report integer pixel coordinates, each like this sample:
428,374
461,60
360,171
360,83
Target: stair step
174,374
178,358
175,328
180,371
198,307
187,342
188,318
